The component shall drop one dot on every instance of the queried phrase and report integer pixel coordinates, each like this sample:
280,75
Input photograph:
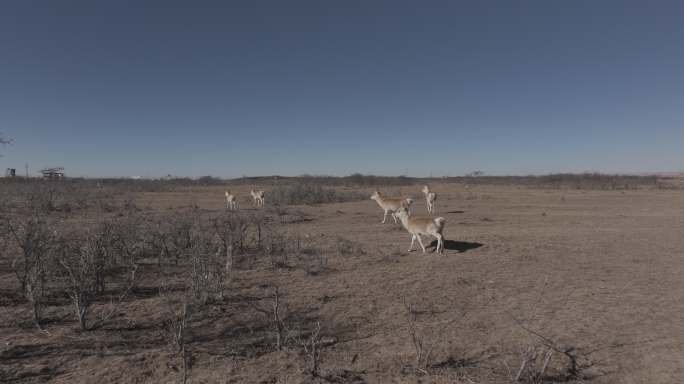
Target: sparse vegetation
310,194
30,244
258,294
584,181
422,349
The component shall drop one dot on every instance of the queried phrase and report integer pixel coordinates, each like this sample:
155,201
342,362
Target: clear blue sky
231,88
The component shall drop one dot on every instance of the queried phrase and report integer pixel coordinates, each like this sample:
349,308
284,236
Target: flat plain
546,285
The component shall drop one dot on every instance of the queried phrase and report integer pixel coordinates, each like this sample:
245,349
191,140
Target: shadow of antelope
460,246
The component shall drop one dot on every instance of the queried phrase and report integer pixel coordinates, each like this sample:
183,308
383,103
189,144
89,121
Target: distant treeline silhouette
553,181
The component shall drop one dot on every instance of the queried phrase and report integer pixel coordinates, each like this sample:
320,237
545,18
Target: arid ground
550,285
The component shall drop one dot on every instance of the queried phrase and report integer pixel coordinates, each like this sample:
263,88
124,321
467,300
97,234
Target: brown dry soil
599,271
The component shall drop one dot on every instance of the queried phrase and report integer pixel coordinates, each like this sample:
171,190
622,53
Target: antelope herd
415,225
257,199
399,207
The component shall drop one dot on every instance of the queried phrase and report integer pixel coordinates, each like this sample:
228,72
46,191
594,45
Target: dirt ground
597,274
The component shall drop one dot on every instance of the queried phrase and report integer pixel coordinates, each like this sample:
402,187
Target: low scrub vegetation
592,181
83,263
310,194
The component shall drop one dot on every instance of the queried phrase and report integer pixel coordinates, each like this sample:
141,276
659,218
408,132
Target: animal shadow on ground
460,246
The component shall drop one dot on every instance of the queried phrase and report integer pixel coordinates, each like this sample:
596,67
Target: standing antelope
231,202
391,204
258,197
425,225
430,198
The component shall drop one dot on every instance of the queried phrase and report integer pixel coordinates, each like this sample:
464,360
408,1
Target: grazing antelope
258,197
424,225
430,198
391,204
231,202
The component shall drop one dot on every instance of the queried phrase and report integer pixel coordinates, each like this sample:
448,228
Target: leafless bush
62,197
311,347
278,248
547,360
208,274
310,194
534,362
206,250
275,313
32,246
231,229
183,235
421,349
591,181
79,264
313,260
101,246
176,324
345,246
115,301
358,179
172,237
287,215
83,259
237,233
128,241
176,321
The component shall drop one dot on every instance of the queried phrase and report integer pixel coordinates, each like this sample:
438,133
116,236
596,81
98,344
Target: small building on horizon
53,173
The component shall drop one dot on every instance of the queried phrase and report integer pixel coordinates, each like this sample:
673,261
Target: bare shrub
172,237
590,181
183,235
311,347
101,246
38,196
422,351
208,274
310,194
313,260
231,228
545,359
79,264
41,198
177,314
358,179
33,244
534,362
231,235
84,259
345,246
275,313
128,240
277,248
175,323
287,215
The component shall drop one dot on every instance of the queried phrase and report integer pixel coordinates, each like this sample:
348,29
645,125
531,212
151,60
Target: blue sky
231,88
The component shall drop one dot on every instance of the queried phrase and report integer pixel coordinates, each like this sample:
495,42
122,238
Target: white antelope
391,204
231,202
258,197
430,198
416,226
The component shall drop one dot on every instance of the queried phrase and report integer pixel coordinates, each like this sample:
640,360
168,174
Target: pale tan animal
391,204
430,198
258,197
231,201
425,225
